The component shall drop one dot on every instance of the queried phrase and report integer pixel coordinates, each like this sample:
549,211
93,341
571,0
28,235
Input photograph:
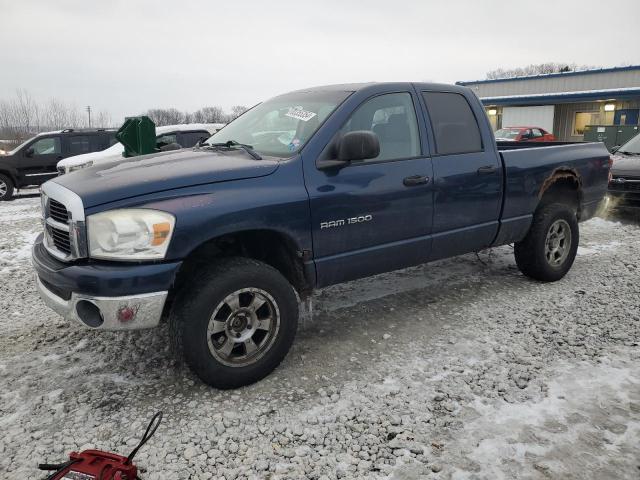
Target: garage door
528,117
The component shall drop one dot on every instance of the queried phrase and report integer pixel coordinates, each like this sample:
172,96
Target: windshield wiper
232,144
624,152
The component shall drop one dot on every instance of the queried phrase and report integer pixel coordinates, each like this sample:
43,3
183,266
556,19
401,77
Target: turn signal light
160,233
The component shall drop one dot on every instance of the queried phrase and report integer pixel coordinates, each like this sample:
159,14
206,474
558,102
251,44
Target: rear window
189,139
454,124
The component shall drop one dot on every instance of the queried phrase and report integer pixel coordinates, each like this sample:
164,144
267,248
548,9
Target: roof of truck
354,87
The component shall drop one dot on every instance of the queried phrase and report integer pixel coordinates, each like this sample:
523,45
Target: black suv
34,162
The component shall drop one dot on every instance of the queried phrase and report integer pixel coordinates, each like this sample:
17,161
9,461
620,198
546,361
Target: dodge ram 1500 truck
305,190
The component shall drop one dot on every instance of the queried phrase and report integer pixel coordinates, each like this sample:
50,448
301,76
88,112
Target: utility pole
89,112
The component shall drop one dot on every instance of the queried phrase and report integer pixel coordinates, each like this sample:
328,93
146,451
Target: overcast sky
126,56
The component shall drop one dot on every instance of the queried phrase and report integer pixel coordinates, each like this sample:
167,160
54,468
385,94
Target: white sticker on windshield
300,114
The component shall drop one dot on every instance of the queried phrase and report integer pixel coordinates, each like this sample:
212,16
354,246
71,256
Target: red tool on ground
98,465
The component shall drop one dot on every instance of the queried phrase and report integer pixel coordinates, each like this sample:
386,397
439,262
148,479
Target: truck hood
628,165
131,177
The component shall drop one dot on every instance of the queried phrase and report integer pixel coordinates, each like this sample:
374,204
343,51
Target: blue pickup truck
305,190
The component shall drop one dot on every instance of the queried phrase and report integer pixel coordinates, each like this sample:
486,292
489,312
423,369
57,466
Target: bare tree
236,111
103,119
27,111
209,115
165,116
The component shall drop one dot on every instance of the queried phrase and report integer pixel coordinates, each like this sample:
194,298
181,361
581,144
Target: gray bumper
107,313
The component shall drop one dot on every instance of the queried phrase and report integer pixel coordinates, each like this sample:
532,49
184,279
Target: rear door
374,215
467,175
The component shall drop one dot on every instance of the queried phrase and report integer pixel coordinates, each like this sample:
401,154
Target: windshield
510,133
15,150
280,127
632,146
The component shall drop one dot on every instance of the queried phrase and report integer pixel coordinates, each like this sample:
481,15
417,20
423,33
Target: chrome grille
58,211
626,184
60,239
63,219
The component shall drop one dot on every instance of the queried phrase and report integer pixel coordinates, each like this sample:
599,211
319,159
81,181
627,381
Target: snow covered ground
461,369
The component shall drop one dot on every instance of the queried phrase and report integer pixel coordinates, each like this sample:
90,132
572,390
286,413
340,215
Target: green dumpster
138,135
601,133
626,133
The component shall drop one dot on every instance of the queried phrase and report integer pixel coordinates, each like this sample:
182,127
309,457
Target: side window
454,125
189,139
98,142
47,146
79,144
537,133
163,140
392,118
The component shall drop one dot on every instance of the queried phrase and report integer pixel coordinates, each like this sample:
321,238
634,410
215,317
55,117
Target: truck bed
529,167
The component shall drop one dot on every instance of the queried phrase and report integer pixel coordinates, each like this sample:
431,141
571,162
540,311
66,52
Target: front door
38,160
373,215
467,178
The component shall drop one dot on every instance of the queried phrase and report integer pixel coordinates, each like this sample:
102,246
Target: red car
524,134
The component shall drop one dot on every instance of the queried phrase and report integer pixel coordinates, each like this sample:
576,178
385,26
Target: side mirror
29,152
358,145
353,146
615,149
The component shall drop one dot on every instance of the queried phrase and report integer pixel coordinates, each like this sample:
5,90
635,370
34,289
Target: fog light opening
89,314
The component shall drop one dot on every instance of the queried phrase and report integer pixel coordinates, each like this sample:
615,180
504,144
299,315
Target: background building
563,103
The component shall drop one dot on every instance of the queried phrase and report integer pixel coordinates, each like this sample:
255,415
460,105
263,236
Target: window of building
582,119
454,124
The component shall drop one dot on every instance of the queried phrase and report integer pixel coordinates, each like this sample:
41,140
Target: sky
126,56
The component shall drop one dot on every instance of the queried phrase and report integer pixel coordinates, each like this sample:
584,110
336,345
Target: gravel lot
461,369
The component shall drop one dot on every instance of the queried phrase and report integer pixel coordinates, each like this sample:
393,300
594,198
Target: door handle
415,180
487,170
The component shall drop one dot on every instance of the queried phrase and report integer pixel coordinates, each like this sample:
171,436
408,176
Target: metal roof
551,75
546,98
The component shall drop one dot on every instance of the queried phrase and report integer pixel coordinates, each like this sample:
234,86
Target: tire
549,261
6,188
235,298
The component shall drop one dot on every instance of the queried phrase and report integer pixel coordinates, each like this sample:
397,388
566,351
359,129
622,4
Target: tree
165,116
536,69
209,115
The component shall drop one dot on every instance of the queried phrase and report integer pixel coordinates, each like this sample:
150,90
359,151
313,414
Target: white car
185,135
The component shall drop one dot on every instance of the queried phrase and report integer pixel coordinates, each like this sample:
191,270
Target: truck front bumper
104,296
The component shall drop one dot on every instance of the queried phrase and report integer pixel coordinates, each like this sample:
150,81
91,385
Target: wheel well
563,186
11,177
273,248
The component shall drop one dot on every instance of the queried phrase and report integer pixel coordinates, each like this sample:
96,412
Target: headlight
130,234
73,168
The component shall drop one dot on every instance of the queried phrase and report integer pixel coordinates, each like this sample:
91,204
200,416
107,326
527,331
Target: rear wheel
549,249
6,188
237,324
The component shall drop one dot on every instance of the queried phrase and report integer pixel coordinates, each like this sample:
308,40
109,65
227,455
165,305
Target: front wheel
237,323
6,188
549,249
